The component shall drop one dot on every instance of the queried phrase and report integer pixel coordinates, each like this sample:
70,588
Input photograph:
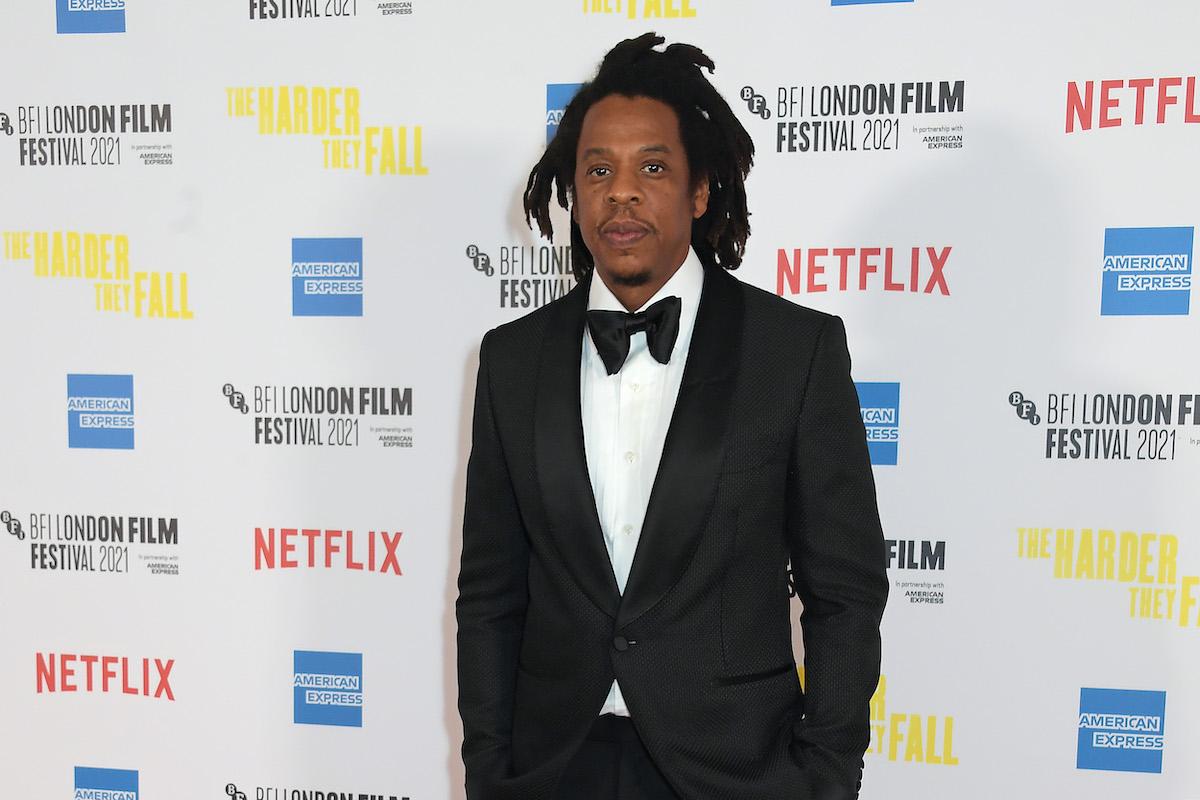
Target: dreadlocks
716,143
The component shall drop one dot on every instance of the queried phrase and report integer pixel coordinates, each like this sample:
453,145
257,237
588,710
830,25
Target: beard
640,278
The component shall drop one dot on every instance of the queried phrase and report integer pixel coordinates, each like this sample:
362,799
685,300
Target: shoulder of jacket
764,307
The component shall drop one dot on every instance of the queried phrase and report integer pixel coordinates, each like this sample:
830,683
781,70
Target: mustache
625,222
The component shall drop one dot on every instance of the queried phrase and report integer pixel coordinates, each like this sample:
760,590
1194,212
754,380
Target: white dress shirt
625,421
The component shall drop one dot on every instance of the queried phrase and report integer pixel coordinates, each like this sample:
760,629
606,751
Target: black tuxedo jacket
765,462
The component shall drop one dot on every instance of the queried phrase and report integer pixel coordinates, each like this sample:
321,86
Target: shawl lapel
686,483
560,460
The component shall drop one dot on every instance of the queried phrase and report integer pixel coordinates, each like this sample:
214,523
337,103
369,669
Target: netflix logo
68,672
823,269
1137,101
316,548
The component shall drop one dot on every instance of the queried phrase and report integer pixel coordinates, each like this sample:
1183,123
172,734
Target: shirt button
629,457
634,385
628,529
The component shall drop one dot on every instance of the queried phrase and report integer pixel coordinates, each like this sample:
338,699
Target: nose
623,188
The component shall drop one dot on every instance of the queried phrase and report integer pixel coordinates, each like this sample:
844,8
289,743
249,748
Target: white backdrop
1008,162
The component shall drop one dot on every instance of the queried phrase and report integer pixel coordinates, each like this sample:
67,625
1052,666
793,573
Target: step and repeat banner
250,248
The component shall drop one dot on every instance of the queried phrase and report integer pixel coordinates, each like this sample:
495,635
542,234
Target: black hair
717,145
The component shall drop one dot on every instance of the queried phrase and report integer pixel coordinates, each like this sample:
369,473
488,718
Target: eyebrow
607,151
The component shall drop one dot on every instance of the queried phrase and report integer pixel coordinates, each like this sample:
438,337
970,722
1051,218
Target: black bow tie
611,331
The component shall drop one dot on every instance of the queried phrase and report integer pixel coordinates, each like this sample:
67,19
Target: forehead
617,121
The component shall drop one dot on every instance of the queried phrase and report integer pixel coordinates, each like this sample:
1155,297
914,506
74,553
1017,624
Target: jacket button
621,643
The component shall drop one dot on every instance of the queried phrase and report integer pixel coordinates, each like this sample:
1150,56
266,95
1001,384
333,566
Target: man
639,484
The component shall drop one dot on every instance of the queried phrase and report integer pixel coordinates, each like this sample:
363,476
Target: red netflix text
1118,98
326,548
73,673
845,268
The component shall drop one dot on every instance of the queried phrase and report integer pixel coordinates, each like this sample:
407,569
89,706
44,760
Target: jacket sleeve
492,599
839,568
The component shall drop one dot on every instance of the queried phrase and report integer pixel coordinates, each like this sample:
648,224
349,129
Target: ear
700,198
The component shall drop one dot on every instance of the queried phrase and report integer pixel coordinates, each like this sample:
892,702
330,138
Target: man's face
634,201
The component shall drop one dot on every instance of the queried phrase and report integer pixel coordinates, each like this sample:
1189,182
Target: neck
633,297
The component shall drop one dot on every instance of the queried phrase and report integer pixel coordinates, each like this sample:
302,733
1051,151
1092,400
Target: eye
654,168
598,171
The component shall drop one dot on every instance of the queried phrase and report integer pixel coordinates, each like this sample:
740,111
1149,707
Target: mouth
625,232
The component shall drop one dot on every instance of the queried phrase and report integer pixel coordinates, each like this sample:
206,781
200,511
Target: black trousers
612,764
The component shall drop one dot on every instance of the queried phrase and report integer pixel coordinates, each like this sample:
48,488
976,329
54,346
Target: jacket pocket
735,680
